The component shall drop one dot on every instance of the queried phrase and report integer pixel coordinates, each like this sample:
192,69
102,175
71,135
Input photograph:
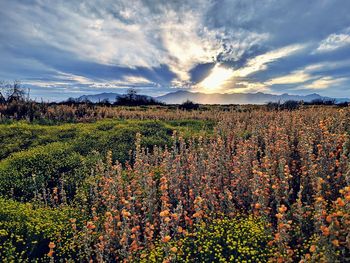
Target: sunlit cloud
221,78
323,83
295,77
217,78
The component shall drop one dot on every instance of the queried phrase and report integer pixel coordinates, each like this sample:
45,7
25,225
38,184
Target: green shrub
25,232
25,173
241,239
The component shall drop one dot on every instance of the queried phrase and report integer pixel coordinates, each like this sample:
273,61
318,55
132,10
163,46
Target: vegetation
133,99
158,184
189,105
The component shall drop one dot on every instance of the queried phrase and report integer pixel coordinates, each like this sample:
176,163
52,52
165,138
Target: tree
14,92
131,98
131,94
189,105
2,99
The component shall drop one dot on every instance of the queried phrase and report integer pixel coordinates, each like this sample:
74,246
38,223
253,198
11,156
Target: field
159,184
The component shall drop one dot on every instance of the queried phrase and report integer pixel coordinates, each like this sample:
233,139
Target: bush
25,232
189,105
25,173
241,239
287,105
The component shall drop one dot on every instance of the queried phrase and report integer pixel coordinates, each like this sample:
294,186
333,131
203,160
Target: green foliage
241,239
25,232
35,157
25,173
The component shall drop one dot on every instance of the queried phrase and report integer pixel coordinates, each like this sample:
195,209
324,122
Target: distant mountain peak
180,96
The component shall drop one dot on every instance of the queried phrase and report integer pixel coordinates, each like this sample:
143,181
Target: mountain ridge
180,96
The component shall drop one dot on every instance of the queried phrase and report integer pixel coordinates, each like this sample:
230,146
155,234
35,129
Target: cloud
221,77
323,83
333,42
244,45
295,77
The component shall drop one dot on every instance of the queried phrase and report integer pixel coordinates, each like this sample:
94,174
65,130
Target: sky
60,49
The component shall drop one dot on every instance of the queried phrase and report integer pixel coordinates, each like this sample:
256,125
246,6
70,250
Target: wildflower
282,209
335,242
173,249
166,239
340,202
325,230
164,213
52,245
126,213
279,216
257,206
175,216
90,225
312,248
329,218
50,254
197,214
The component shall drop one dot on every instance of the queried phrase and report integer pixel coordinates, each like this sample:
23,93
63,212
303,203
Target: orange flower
257,206
125,213
195,215
279,216
277,236
282,209
335,242
340,202
164,213
173,249
325,230
166,239
175,216
90,225
179,229
312,248
329,218
52,245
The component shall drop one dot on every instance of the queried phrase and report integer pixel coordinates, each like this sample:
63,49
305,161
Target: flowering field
233,185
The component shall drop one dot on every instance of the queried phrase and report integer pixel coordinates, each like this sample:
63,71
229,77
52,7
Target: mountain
99,97
179,97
